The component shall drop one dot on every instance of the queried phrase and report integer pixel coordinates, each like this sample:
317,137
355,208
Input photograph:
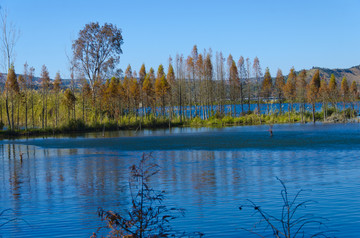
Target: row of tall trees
194,87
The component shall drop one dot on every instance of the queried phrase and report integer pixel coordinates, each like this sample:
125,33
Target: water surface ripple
61,182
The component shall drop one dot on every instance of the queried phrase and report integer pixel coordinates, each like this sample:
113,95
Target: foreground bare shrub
290,224
147,217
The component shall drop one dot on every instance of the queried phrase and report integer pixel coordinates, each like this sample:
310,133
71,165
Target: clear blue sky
281,34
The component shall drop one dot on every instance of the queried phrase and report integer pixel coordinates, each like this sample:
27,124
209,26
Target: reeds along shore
138,123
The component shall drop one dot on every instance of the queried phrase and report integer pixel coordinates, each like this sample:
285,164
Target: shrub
330,111
75,125
196,121
228,120
289,224
148,216
349,113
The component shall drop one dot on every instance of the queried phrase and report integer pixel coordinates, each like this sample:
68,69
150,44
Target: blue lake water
265,108
61,181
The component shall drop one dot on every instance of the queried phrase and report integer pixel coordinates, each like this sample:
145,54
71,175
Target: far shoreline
79,127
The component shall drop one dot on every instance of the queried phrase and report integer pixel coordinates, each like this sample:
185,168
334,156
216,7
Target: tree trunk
313,112
302,112
7,111
26,113
32,111
45,112
56,110
249,95
42,113
1,113
83,109
289,111
12,113
180,104
18,114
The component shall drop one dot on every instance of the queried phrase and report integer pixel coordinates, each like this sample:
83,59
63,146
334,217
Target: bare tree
9,37
221,77
242,76
45,85
31,88
56,89
248,73
257,75
97,50
11,91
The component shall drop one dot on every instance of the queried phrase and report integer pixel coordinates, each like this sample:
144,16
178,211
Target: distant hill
65,82
352,74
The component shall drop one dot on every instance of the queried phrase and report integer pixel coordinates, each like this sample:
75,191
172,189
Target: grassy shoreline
137,123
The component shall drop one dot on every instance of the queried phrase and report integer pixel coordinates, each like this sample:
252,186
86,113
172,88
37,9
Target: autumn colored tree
257,75
22,95
110,95
266,87
142,74
199,85
97,50
31,96
96,99
234,84
106,107
344,92
279,88
161,88
152,79
354,94
242,78
160,72
190,66
56,89
196,78
148,91
180,78
301,85
220,78
45,85
126,86
209,85
18,99
134,90
324,95
170,78
313,90
69,101
2,82
85,96
290,90
24,88
333,91
248,73
11,91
